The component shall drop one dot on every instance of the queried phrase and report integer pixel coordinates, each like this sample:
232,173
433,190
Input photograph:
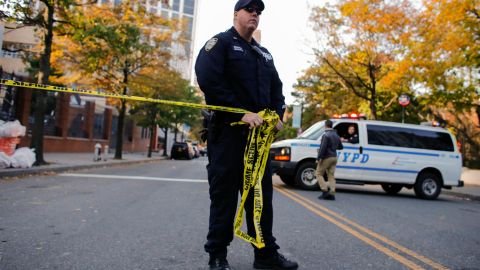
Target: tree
378,49
163,83
109,45
446,66
49,14
319,90
186,115
359,47
288,131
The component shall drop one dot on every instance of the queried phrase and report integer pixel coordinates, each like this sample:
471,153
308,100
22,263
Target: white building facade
185,11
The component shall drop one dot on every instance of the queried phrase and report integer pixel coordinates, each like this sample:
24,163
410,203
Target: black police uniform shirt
353,139
234,73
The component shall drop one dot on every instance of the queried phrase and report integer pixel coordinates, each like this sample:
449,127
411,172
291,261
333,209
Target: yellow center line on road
373,234
330,215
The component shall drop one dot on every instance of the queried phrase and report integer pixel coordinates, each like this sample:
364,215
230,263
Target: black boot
329,197
219,263
276,261
324,194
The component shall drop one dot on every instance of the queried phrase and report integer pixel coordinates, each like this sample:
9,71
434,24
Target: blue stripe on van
306,144
401,152
375,169
372,149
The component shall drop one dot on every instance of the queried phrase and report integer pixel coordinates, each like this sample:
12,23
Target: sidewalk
471,177
60,162
471,190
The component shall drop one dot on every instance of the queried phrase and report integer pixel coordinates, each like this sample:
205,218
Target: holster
208,117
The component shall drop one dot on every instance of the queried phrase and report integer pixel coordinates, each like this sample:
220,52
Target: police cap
244,3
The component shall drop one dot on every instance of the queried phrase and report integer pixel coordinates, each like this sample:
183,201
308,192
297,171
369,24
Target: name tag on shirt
237,48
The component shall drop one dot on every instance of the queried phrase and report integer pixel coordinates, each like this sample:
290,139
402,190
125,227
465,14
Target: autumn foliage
368,52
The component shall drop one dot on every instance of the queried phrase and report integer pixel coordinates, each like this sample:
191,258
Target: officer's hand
279,125
253,119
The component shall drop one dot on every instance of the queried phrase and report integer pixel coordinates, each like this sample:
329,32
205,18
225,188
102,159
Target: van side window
348,132
409,137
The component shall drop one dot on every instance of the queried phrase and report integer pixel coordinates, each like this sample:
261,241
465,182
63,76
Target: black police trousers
226,147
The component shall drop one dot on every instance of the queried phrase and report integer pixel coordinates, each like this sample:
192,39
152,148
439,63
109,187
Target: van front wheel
428,186
305,177
392,189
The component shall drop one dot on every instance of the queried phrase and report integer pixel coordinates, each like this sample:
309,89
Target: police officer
234,70
352,136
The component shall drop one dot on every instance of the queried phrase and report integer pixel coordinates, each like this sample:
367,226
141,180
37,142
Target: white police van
390,154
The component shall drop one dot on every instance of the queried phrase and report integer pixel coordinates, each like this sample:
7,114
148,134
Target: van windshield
314,132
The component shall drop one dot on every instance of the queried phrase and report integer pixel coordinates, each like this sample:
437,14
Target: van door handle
361,150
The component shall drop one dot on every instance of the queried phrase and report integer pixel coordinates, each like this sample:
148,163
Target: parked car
182,150
203,150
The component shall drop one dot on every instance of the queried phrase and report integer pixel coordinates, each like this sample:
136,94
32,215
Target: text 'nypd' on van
391,154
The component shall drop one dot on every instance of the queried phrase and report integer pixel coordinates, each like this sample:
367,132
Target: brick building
76,123
73,123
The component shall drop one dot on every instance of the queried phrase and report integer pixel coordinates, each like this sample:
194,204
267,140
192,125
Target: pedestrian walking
327,161
234,70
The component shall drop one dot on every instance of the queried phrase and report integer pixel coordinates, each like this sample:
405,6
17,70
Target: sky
285,33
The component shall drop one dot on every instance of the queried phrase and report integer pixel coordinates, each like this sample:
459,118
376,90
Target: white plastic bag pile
23,157
12,129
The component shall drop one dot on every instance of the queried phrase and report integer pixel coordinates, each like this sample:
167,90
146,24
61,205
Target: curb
65,168
461,195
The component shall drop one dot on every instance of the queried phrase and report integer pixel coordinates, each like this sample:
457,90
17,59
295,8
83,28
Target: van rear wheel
392,189
305,176
428,186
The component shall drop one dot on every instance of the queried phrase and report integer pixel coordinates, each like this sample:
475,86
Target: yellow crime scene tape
255,160
126,97
255,156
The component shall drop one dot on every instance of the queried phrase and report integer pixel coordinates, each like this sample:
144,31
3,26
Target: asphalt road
155,216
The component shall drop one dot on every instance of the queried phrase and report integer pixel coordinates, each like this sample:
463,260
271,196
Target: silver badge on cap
210,44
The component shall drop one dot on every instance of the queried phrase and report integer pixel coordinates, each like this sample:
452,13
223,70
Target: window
98,127
188,26
165,14
176,5
189,6
50,122
77,126
409,137
7,103
153,10
188,46
145,133
348,132
128,130
314,132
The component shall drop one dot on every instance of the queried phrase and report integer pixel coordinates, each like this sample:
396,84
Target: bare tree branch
348,84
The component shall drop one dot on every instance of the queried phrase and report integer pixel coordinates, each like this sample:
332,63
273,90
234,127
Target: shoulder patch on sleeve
210,44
